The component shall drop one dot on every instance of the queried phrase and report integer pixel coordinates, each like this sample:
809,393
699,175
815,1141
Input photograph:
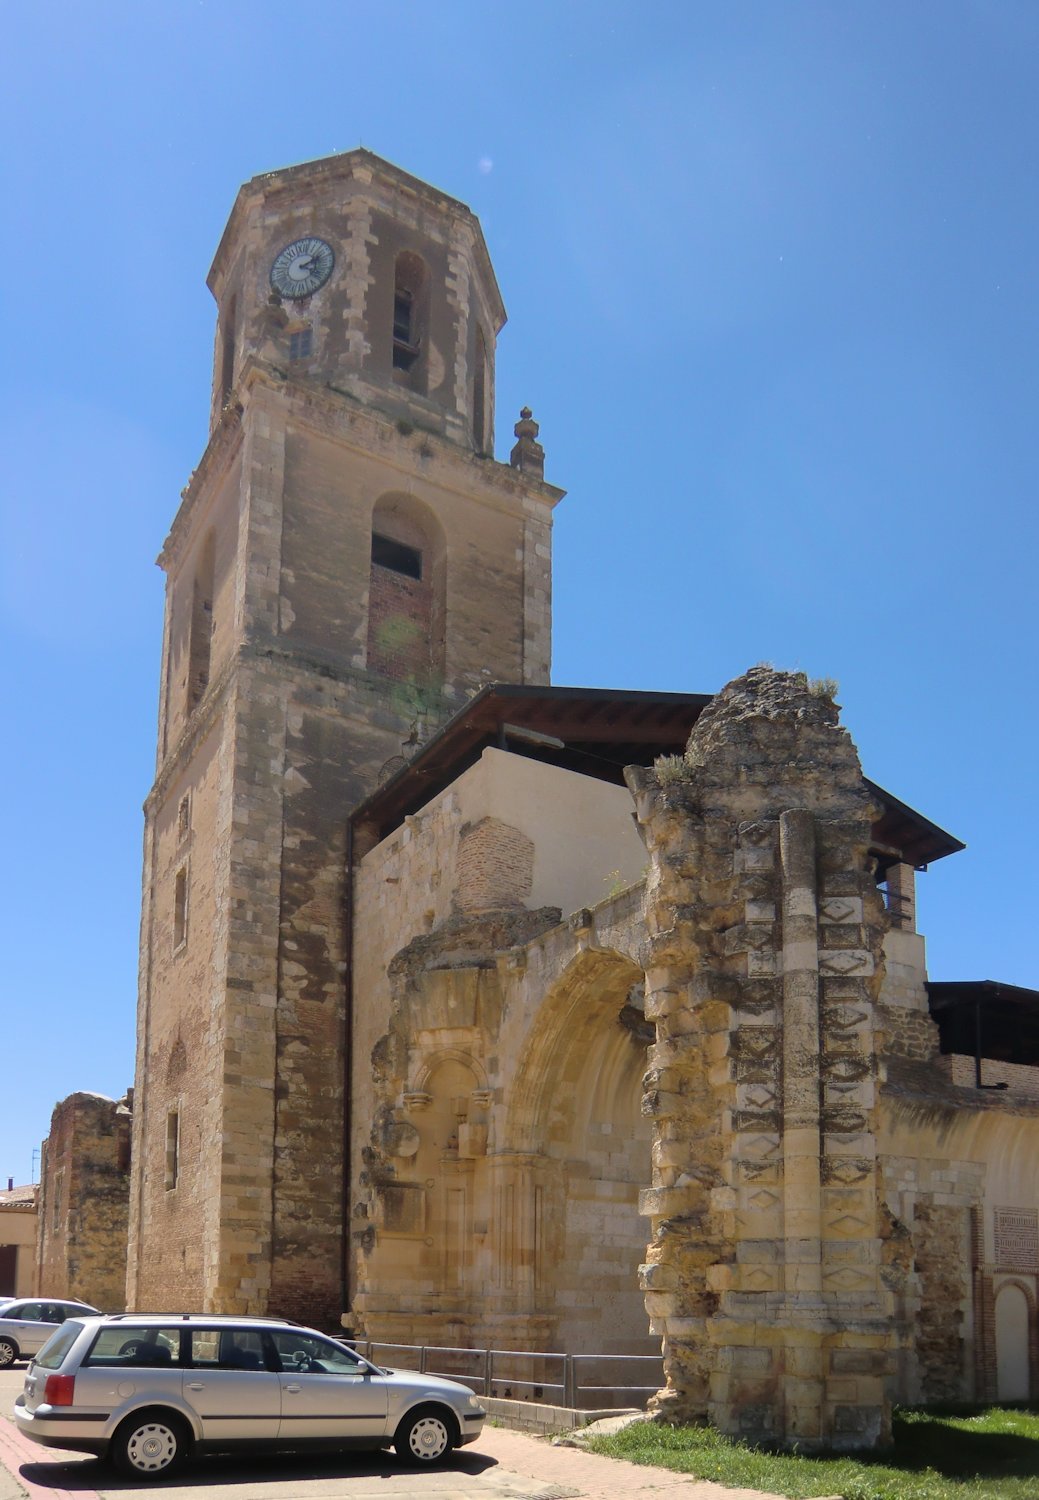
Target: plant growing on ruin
670,769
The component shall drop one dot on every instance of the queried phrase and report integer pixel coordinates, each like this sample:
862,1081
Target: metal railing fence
581,1382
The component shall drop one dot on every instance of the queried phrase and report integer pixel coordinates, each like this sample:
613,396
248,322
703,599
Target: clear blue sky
771,271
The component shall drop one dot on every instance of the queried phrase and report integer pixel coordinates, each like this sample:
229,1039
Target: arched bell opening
407,599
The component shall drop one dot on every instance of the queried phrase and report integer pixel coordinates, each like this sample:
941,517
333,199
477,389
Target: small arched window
410,316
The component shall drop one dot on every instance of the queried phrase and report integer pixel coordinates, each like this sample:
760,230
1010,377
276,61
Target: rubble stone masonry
84,1188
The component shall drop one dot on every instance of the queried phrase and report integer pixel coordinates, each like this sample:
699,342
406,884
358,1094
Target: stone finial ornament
528,455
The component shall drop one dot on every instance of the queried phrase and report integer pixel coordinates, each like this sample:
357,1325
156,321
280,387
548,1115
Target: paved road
502,1465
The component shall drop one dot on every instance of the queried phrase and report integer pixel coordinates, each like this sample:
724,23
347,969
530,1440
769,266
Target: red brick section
16,1450
495,867
399,625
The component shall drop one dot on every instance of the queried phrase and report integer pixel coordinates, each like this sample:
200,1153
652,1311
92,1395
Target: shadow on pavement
273,1468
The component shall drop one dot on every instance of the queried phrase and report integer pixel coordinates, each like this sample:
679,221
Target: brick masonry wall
1022,1082
495,866
399,626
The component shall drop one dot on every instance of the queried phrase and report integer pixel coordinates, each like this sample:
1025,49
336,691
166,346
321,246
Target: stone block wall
370,212
903,1012
241,1038
509,831
84,1194
500,1176
942,1253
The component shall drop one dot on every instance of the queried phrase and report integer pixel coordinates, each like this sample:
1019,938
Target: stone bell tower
348,564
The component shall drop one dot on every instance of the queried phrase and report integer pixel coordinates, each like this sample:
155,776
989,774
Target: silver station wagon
146,1391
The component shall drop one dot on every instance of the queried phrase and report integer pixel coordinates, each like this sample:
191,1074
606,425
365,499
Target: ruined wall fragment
763,1275
83,1204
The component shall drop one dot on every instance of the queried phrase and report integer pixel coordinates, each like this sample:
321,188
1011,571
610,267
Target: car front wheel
8,1353
424,1437
150,1445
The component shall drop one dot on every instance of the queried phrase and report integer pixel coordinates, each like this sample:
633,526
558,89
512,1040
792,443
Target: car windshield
306,1352
58,1345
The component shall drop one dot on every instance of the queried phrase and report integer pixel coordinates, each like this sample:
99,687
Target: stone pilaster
763,1275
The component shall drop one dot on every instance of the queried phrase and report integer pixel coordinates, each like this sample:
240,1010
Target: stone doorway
577,1108
1012,1360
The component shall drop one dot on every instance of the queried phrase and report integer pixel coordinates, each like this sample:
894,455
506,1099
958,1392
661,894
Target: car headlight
472,1400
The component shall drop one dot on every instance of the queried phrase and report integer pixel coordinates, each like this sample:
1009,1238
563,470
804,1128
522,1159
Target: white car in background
26,1323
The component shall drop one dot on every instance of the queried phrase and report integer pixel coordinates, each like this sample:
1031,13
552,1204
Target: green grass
992,1455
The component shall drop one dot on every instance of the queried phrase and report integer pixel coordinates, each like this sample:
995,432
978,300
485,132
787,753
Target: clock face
302,267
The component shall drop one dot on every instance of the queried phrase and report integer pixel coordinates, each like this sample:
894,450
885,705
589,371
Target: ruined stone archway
575,1107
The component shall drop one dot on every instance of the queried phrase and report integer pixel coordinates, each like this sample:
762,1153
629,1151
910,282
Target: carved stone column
763,1275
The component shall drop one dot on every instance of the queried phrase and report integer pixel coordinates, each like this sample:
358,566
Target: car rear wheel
424,1437
150,1445
8,1353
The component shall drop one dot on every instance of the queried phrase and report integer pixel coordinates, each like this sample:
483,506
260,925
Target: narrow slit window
480,394
227,336
405,345
402,310
200,639
410,312
172,1148
397,556
184,817
180,908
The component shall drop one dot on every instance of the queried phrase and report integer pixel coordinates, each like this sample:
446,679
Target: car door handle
196,1385
294,1389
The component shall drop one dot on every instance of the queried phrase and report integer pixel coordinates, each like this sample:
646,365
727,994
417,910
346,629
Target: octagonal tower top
351,273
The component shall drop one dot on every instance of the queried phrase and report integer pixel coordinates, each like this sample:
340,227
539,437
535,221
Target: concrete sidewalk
502,1465
572,1472
518,1467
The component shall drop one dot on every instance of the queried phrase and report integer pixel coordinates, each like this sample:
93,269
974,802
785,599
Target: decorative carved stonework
768,1076
1017,1239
